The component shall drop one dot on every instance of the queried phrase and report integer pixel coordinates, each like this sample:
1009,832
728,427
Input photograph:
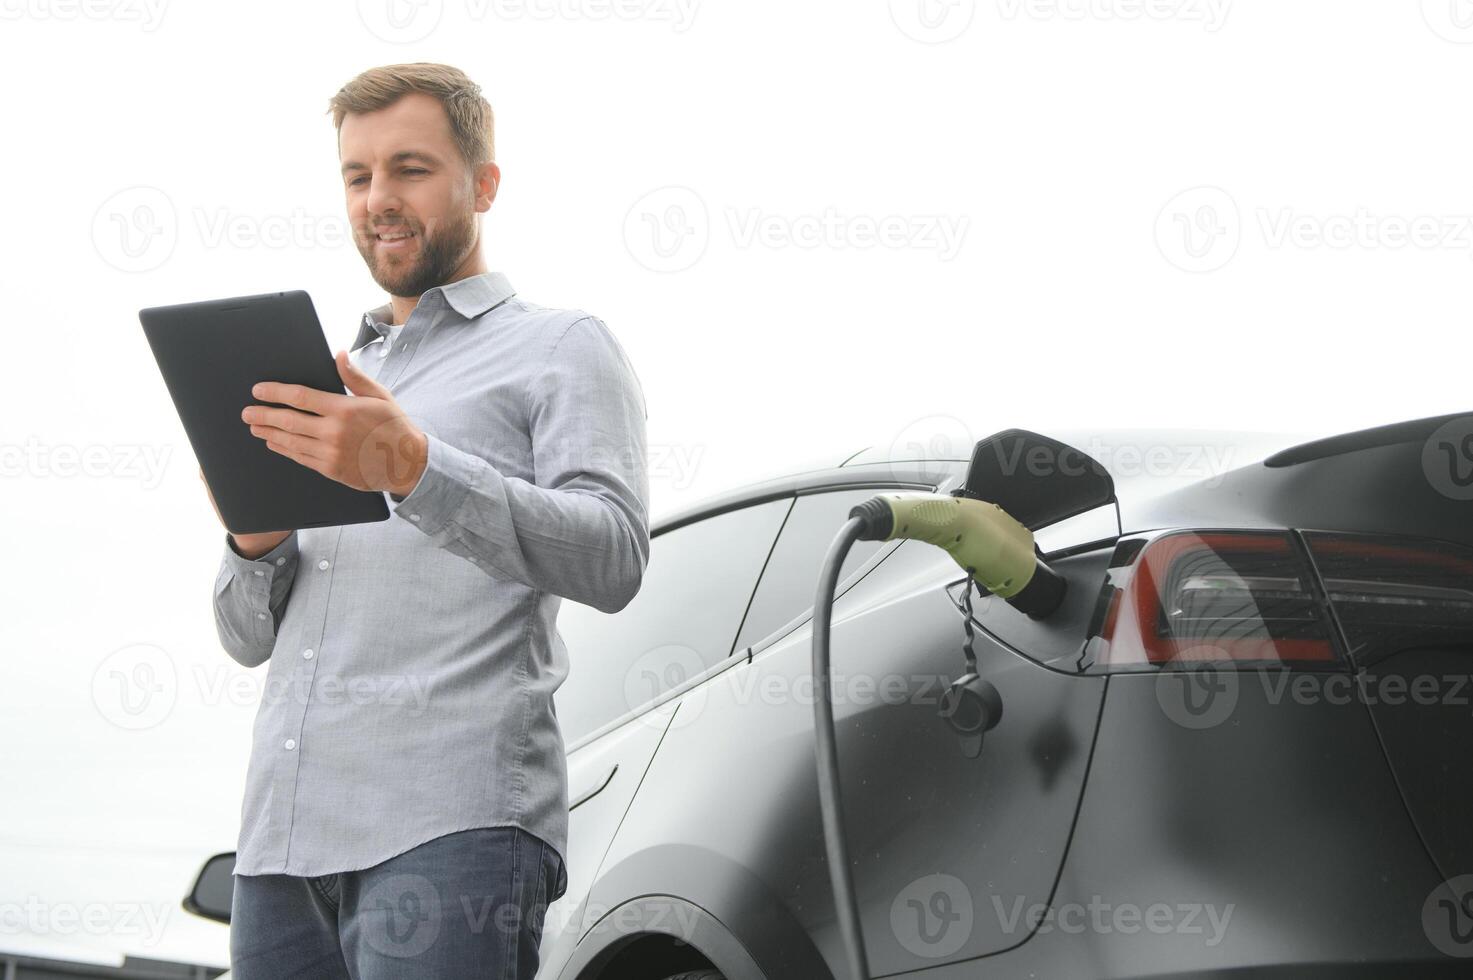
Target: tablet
211,354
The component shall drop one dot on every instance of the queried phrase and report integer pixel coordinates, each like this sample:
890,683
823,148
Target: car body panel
703,818
1285,818
603,775
1383,489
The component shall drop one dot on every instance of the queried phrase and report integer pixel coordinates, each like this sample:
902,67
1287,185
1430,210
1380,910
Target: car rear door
696,588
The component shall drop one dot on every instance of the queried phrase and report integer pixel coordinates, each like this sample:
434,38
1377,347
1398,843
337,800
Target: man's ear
488,179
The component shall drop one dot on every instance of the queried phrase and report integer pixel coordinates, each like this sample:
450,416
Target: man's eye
408,170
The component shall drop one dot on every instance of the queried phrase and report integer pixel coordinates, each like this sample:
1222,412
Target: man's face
403,173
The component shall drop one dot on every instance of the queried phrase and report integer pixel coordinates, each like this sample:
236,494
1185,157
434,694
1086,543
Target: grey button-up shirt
413,661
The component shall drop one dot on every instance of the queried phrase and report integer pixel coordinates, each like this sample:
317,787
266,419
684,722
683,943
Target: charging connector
983,539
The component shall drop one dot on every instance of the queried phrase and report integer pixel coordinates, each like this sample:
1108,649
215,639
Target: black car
1242,747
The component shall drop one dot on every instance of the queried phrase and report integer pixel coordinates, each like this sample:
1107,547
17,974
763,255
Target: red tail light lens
1393,594
1241,598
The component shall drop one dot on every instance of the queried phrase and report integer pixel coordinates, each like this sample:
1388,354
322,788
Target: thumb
356,381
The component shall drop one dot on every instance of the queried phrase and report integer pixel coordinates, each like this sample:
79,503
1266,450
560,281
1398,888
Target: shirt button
290,743
307,654
260,615
323,564
281,561
414,517
259,572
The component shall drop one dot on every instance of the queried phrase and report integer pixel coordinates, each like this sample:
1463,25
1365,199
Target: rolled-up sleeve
250,598
581,529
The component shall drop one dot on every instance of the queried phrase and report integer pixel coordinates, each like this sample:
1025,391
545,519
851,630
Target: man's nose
381,198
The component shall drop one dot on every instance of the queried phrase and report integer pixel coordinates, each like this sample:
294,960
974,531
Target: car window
790,580
690,603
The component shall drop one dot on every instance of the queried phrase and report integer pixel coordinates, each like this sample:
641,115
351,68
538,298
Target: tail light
1392,594
1232,598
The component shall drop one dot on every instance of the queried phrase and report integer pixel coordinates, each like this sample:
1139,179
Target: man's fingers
289,420
297,396
311,462
299,444
356,380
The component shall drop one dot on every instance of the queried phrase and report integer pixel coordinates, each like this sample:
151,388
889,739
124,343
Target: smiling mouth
395,240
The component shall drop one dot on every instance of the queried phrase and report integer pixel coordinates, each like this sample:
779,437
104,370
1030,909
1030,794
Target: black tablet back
210,355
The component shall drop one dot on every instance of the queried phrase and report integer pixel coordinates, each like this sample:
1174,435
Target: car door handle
594,789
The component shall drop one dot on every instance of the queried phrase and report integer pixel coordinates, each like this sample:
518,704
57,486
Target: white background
1190,213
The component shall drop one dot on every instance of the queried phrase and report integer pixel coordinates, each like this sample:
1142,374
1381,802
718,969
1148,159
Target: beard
435,260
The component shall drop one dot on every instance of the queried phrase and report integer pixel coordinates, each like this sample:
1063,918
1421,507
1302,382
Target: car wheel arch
659,915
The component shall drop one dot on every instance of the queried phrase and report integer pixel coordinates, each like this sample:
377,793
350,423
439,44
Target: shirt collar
469,297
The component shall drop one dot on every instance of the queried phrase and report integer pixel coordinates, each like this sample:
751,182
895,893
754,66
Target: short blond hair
471,121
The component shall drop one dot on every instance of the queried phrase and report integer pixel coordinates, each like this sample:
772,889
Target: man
405,811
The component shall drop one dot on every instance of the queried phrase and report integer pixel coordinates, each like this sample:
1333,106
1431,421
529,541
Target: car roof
912,462
911,474
1151,467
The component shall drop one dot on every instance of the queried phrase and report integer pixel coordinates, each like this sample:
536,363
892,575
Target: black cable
846,905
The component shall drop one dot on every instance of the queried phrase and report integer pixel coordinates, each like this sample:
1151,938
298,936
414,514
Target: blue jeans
468,904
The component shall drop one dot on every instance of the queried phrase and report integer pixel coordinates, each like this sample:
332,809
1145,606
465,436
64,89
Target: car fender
697,895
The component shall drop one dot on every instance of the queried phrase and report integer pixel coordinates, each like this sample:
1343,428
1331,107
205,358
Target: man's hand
364,440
